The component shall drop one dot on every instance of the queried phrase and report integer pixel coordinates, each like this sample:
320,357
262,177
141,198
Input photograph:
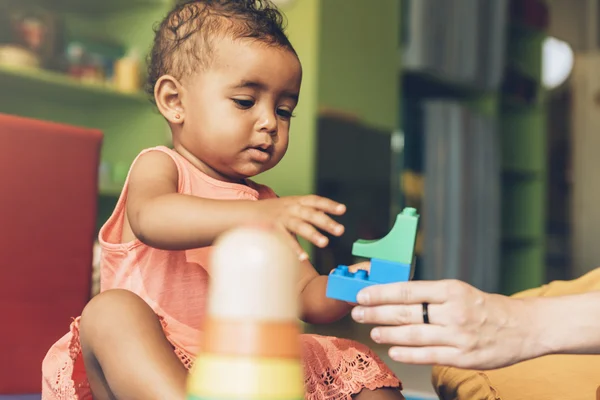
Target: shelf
510,174
521,241
51,86
424,84
92,6
429,83
514,104
521,28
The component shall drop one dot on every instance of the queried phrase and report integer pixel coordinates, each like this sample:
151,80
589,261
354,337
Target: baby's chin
248,170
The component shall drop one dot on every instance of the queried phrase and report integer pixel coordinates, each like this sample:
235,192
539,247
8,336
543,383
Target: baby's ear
167,94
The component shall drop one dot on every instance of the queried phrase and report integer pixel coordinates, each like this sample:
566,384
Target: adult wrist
543,332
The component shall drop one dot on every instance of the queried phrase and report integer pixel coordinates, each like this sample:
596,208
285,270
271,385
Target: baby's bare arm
315,306
162,218
165,219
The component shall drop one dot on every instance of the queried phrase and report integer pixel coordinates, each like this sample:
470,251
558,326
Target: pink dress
174,284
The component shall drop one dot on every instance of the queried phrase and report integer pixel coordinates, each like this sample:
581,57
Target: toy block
344,285
383,271
398,245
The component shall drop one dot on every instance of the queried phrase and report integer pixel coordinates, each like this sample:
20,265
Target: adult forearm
568,324
179,222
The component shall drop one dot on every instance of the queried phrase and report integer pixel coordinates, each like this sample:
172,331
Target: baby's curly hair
183,40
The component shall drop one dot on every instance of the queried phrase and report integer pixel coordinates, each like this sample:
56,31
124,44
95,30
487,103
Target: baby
227,80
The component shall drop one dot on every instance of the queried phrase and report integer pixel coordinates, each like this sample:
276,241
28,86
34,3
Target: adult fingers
415,335
393,314
432,355
413,292
324,204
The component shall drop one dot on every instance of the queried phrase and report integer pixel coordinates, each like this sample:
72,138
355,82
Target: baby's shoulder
153,167
155,161
264,191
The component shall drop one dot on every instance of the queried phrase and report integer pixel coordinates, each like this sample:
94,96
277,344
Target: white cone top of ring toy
254,276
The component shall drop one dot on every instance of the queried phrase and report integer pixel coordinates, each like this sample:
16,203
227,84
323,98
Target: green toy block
398,245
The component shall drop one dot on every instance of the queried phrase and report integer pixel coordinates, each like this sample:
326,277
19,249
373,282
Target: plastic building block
345,285
383,271
391,260
398,245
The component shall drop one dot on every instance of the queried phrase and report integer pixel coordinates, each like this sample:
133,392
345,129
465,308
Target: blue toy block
344,285
391,257
383,271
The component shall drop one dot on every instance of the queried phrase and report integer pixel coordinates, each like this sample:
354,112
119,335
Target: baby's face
238,110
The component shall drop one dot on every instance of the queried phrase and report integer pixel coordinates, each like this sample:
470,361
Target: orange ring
251,338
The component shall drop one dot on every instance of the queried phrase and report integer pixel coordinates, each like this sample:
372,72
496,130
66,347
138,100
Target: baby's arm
165,219
161,217
316,307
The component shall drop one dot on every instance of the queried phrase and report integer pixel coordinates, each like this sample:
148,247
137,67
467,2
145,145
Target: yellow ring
249,378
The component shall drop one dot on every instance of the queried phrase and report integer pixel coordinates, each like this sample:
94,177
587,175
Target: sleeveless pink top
173,283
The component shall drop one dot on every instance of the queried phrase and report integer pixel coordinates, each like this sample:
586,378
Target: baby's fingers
323,204
320,220
296,247
307,231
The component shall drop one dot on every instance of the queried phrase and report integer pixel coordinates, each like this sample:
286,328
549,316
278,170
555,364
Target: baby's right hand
303,216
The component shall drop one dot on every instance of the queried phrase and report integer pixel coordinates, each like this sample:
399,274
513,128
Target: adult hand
467,328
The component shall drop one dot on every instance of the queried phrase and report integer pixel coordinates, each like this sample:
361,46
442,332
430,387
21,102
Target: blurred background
480,113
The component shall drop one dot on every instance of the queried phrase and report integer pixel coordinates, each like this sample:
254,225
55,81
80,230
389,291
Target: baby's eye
243,103
287,114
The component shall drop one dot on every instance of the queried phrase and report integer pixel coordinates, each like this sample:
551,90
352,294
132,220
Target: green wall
296,173
349,53
358,59
348,49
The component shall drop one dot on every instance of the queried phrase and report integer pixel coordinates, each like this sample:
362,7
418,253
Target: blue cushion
410,395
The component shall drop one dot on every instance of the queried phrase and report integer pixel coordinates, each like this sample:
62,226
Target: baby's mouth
264,148
260,153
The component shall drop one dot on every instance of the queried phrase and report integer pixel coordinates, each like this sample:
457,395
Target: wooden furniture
48,175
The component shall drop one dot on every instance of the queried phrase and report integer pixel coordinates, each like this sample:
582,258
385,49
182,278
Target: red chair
48,201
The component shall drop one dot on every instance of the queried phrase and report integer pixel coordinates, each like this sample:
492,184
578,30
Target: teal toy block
344,285
398,245
383,271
